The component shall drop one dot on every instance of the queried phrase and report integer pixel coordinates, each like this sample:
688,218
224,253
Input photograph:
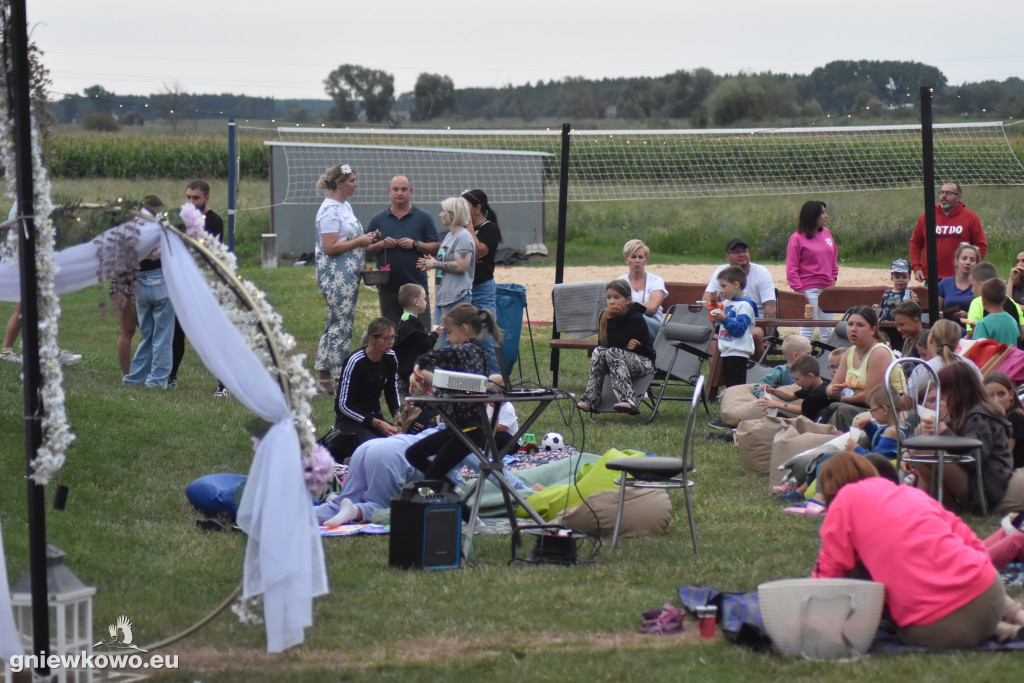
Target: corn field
85,155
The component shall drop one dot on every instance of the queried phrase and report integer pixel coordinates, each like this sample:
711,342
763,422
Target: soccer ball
552,442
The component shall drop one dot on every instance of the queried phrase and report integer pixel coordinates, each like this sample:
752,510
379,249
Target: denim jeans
152,361
485,296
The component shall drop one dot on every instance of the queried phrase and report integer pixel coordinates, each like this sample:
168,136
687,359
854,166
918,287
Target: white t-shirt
760,286
641,296
337,217
506,416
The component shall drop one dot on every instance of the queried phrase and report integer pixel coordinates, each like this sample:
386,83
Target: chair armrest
681,332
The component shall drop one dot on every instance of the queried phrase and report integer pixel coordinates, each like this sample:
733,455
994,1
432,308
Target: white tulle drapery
284,559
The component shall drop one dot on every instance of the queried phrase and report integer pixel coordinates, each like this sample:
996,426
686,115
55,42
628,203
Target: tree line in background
887,90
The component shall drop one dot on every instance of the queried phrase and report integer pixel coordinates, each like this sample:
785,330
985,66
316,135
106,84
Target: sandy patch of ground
538,281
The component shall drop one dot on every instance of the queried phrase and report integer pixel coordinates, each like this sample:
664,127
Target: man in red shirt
954,224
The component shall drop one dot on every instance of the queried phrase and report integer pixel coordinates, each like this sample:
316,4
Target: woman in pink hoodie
812,258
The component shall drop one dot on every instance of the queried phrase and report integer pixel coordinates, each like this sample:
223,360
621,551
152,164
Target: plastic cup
706,617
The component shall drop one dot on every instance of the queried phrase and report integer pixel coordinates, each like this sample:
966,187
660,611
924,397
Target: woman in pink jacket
812,258
940,585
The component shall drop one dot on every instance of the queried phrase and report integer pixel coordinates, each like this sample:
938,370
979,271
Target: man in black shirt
197,194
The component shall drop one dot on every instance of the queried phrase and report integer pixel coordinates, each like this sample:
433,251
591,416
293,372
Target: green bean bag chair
592,477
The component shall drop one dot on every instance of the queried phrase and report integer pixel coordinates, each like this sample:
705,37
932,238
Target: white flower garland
56,430
262,328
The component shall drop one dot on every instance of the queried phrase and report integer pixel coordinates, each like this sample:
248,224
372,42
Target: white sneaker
10,356
221,393
65,357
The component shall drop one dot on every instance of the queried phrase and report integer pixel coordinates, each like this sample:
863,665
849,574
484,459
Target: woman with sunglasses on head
487,235
368,372
455,262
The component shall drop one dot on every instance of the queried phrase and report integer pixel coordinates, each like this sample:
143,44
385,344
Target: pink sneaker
811,508
786,487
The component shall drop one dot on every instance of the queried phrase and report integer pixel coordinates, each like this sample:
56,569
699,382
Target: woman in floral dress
340,253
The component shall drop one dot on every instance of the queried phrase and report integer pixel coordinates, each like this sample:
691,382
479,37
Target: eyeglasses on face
944,193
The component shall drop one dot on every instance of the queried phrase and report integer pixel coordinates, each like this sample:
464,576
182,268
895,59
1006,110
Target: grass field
129,530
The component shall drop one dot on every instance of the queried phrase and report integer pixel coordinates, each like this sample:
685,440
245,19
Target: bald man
409,233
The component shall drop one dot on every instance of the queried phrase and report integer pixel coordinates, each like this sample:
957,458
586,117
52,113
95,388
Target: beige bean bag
739,403
646,511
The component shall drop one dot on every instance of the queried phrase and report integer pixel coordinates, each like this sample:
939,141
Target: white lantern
70,604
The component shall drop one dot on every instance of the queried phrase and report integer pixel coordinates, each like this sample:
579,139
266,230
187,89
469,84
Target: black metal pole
18,100
232,182
563,200
928,159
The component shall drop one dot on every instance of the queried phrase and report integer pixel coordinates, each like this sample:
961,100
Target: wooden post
268,250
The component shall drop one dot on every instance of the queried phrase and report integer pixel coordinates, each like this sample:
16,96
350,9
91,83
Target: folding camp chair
641,386
682,349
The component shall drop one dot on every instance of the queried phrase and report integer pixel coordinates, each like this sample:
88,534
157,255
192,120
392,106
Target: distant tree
578,99
132,118
173,103
100,98
838,84
101,121
350,83
435,95
752,98
298,114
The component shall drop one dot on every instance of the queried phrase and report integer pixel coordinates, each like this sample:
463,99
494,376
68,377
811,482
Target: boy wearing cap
899,273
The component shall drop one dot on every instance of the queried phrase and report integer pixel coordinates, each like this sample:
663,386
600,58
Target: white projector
460,381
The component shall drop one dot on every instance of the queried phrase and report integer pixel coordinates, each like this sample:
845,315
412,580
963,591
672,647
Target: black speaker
426,526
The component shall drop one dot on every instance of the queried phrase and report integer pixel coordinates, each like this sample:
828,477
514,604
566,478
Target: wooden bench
842,299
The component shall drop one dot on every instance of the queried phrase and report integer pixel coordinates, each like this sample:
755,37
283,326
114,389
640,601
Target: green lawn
129,530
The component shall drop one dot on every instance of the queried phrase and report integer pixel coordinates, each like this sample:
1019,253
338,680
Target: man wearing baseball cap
760,286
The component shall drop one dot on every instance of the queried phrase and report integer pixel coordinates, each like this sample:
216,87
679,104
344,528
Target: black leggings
177,348
448,448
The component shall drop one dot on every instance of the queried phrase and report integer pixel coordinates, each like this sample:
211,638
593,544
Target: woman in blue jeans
487,235
152,362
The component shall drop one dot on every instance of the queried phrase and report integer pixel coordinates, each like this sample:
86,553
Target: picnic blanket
739,617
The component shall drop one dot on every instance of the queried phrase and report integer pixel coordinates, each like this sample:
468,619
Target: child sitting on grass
879,425
982,273
1002,390
735,331
834,357
997,324
811,393
794,346
899,273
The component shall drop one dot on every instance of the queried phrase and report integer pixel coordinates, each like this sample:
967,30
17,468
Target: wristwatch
415,245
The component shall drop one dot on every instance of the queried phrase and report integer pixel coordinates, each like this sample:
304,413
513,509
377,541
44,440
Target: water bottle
438,273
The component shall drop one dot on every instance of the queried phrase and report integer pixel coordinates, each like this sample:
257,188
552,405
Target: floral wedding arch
239,338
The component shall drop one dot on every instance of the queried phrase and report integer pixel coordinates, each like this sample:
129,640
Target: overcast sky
286,49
